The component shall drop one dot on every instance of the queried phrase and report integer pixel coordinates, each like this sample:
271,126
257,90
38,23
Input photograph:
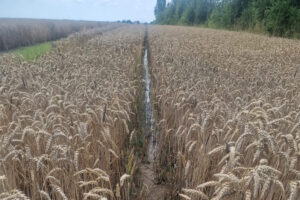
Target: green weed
33,52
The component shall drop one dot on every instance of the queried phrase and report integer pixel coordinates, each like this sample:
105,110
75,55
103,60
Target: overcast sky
99,10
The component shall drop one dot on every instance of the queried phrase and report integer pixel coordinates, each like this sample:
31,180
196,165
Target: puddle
149,112
152,191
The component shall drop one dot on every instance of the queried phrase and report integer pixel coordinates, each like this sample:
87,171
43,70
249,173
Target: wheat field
226,117
17,32
228,106
66,118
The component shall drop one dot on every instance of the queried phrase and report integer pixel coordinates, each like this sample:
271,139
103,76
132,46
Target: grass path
33,52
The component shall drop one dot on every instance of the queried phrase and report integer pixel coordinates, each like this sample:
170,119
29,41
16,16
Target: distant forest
276,17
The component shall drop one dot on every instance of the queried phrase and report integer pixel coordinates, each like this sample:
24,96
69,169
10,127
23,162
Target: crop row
228,111
66,119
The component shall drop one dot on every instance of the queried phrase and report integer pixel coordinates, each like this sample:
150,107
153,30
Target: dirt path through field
151,190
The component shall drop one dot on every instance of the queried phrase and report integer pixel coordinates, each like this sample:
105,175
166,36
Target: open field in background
23,32
73,123
228,106
66,119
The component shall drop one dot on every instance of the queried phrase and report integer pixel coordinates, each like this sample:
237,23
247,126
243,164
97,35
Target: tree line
276,17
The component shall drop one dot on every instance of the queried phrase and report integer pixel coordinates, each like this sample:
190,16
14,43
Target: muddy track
151,190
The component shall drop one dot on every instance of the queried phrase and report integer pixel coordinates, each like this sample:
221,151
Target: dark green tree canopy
276,17
160,7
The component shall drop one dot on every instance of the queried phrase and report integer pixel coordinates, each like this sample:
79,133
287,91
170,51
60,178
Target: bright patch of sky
99,10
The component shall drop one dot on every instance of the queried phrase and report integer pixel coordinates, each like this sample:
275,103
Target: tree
277,17
188,16
282,19
260,7
203,9
160,7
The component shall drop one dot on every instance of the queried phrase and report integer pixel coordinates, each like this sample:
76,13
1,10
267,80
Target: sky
98,10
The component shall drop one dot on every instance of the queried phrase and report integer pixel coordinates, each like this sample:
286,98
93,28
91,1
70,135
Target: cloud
138,4
113,3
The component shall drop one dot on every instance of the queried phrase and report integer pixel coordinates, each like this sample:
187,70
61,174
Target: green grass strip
33,52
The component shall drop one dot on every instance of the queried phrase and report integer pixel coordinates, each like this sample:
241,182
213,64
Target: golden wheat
66,118
228,111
